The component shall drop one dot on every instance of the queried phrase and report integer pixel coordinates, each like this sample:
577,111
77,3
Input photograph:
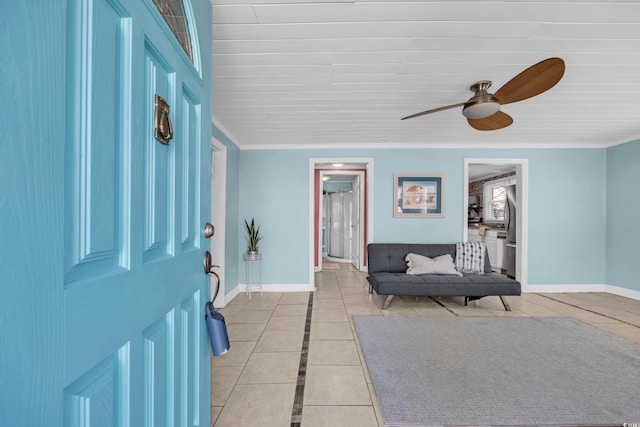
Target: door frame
218,215
315,206
522,217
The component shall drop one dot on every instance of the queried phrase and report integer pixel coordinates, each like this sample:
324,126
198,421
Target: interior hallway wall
566,238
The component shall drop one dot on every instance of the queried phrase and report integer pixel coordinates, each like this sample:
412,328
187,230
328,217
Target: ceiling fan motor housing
482,104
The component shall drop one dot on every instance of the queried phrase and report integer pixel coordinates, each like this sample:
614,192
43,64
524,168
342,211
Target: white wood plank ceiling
308,74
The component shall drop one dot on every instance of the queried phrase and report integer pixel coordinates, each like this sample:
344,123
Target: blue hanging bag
216,325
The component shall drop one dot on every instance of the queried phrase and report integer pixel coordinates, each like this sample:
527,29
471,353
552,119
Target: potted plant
253,237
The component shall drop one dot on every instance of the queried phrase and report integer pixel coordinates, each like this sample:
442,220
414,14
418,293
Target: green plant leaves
253,236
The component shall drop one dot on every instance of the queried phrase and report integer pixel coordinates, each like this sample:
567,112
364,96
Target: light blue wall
566,207
567,216
623,201
274,189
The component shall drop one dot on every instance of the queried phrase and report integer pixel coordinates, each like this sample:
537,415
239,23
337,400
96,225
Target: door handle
208,267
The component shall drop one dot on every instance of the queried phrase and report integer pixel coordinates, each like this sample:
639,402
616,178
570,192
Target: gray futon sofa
387,275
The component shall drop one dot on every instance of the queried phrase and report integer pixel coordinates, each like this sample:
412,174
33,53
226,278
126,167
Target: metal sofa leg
387,302
505,303
467,299
370,289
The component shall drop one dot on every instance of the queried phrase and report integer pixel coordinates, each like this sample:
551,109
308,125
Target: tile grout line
296,412
590,311
445,307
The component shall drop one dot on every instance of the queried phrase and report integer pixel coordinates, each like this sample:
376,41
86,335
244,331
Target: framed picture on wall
418,195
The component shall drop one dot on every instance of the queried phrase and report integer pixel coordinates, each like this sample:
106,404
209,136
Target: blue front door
104,295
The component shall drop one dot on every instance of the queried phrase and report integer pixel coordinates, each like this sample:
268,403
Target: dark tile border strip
444,306
296,413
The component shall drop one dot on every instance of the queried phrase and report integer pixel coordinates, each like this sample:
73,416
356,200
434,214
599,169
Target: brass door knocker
162,121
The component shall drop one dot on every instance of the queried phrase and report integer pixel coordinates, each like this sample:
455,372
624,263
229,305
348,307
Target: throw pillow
420,264
470,257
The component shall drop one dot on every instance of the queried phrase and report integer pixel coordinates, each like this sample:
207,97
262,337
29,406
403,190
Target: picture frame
418,195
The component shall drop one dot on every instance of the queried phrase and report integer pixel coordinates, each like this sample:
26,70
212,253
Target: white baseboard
222,301
564,288
303,287
364,269
624,292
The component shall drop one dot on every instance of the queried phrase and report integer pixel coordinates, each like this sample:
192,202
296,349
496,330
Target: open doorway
341,219
484,182
342,185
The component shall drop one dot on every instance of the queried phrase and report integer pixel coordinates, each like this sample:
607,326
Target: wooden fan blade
531,82
495,121
446,107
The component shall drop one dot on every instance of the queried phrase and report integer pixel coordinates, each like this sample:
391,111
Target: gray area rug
499,371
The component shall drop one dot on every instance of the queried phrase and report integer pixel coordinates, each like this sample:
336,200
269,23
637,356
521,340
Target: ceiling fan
482,110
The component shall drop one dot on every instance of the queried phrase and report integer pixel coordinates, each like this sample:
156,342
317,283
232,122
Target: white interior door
355,222
341,225
347,225
336,239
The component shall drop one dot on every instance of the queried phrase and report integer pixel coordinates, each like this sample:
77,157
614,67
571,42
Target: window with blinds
495,195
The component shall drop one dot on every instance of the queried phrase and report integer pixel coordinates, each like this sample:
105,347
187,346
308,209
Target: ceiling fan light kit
483,109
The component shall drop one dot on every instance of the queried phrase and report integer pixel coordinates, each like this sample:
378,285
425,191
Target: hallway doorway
473,169
342,185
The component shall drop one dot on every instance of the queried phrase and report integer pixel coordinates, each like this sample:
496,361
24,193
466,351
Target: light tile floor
255,383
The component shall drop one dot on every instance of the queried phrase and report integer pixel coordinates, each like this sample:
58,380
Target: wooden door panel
97,143
189,152
159,172
191,346
158,360
100,396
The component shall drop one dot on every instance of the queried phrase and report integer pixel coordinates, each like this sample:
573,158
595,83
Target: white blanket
470,257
